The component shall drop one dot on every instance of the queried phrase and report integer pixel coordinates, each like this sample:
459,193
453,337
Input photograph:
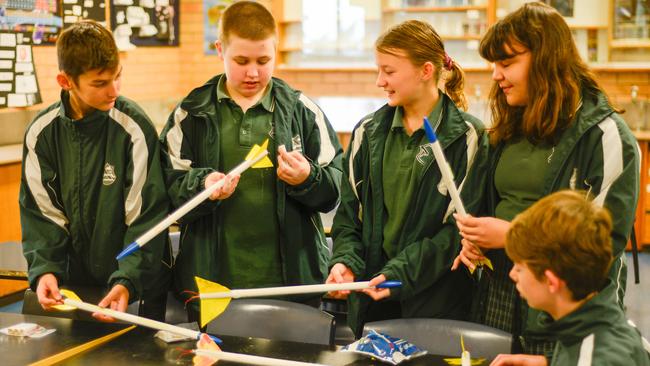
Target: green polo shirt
249,255
519,176
402,166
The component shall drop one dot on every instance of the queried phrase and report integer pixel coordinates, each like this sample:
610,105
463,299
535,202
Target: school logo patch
109,175
423,153
297,143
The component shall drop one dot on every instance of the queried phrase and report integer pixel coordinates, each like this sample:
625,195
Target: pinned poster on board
144,23
18,84
38,20
76,10
212,10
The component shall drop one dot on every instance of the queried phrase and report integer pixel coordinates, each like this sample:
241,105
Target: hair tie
449,63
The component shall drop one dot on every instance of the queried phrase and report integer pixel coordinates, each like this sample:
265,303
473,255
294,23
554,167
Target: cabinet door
9,187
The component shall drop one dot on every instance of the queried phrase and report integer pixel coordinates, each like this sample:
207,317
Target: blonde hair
422,44
248,20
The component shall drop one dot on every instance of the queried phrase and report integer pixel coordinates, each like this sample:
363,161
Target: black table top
69,334
139,347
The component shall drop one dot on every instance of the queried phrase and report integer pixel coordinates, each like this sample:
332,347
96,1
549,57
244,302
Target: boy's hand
519,360
486,232
293,168
228,188
117,299
377,293
48,291
340,273
469,256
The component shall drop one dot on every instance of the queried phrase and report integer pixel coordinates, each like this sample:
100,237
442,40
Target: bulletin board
76,10
18,83
38,20
144,23
212,10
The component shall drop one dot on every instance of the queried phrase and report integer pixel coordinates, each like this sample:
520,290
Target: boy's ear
555,283
64,81
219,46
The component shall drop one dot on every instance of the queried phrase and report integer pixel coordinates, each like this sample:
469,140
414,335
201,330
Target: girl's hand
486,232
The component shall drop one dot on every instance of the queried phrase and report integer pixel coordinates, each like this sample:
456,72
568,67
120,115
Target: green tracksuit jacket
89,188
596,334
598,154
191,139
430,239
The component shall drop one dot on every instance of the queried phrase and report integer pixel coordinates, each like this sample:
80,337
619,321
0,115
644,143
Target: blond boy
262,230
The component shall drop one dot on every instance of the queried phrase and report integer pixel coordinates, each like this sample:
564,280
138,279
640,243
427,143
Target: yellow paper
485,262
457,361
69,294
211,308
255,151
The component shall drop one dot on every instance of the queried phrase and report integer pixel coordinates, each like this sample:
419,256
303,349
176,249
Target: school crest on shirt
109,174
423,153
296,143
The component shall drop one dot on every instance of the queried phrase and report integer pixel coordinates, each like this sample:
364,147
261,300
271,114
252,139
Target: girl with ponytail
393,222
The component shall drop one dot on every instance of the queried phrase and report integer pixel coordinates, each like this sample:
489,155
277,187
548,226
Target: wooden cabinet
9,188
642,222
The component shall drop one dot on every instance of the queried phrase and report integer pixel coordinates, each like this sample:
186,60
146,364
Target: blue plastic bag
384,348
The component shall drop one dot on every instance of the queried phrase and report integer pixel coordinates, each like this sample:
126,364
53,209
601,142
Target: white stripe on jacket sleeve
612,157
355,145
327,150
140,158
175,141
33,173
586,351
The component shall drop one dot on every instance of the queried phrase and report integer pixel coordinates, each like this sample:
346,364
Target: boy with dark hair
562,250
92,183
268,232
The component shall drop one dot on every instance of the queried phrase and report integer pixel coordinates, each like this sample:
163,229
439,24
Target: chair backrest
274,319
175,312
88,294
442,336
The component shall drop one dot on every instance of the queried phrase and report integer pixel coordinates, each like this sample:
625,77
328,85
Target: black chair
442,336
274,319
175,312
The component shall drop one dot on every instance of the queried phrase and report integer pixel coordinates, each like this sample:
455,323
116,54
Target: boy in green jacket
92,183
265,229
562,250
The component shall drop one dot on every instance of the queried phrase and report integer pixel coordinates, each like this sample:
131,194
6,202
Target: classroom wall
158,77
618,84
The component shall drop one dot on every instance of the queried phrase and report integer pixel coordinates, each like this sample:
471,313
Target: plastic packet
31,330
384,348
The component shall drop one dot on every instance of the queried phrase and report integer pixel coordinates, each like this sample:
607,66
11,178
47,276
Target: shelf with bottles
460,23
630,24
636,111
393,6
